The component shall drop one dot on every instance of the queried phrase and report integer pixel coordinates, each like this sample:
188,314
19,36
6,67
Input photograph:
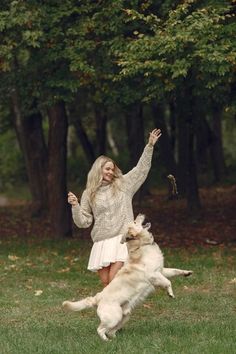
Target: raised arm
154,136
135,178
81,213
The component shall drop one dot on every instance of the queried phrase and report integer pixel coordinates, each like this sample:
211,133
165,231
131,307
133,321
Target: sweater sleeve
82,213
135,178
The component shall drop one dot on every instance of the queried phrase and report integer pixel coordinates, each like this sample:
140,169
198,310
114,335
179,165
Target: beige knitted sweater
111,214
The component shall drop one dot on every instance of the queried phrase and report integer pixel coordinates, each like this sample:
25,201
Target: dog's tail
86,303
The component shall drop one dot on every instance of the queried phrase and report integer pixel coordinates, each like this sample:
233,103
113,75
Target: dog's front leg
172,272
157,279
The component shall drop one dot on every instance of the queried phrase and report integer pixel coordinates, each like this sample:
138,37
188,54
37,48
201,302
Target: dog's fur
143,271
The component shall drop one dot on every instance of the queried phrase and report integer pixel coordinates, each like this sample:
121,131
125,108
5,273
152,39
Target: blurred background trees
84,78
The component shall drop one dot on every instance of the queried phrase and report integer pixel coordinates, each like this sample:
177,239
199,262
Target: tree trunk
182,154
59,209
31,139
164,144
203,141
101,122
111,140
187,176
84,140
77,110
216,148
192,184
173,118
135,134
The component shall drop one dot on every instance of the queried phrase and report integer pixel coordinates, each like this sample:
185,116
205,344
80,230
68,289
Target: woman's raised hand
154,136
72,199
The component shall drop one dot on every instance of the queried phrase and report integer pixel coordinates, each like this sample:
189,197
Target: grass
37,276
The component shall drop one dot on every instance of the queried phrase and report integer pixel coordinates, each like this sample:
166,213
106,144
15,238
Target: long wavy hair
95,177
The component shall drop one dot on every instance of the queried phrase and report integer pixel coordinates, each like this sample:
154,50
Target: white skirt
107,251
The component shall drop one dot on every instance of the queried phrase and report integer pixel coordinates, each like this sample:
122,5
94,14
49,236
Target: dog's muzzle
127,238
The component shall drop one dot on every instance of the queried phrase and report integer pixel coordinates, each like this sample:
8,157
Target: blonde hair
95,177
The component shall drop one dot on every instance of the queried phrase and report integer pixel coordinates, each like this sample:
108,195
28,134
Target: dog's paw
66,305
111,335
187,273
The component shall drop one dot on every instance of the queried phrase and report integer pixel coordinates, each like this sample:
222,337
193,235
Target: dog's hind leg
126,315
157,279
172,272
110,316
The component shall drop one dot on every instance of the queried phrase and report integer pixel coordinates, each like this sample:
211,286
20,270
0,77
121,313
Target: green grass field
36,277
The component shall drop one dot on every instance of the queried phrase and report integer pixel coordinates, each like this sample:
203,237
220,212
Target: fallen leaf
38,292
28,287
63,270
211,242
13,266
233,281
12,257
147,306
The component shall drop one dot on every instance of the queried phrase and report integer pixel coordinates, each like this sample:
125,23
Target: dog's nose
130,230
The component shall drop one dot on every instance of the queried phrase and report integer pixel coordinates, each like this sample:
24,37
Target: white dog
143,271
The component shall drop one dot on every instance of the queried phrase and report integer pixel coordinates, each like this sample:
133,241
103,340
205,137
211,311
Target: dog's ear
123,238
147,226
140,218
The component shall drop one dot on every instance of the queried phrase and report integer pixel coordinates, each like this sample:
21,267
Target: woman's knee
115,267
104,275
105,282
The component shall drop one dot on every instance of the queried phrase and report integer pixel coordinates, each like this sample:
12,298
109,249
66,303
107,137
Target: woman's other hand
72,199
154,136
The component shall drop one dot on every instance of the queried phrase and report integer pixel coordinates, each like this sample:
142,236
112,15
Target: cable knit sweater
111,213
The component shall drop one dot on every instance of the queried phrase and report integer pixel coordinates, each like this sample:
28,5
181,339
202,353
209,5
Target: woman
107,202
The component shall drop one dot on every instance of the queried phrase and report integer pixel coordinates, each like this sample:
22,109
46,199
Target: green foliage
33,51
157,46
194,45
118,53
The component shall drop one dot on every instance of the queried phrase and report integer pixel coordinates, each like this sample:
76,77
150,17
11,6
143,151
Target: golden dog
143,271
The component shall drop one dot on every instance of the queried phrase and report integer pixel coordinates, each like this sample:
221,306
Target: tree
189,54
29,51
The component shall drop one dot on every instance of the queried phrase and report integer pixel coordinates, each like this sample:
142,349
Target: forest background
85,78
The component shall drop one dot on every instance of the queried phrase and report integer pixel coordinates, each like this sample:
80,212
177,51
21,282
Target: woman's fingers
72,199
154,136
156,132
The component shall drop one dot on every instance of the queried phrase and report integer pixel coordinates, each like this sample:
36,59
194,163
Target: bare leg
172,272
114,267
104,275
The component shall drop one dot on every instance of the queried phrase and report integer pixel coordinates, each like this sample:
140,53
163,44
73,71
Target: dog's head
138,231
